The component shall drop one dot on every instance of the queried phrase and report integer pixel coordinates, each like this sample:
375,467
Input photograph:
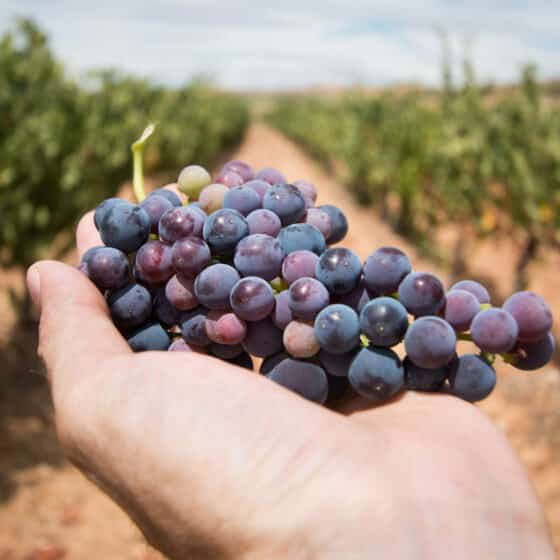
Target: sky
268,45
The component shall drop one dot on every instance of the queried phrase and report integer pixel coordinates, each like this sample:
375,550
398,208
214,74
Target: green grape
192,180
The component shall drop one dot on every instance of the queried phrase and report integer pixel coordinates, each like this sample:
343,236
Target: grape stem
464,336
138,162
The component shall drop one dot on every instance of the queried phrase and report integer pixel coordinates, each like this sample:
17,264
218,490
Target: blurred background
434,125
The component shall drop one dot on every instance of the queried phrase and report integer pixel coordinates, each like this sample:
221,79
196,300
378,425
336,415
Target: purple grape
271,176
430,342
299,340
243,199
474,288
104,207
532,314
286,201
264,221
107,268
225,351
213,286
224,327
384,321
224,229
337,365
263,338
130,306
179,345
421,379
301,237
376,374
339,223
299,264
306,379
269,363
471,378
307,189
151,336
534,355
184,221
163,310
422,294
307,296
337,328
282,313
259,255
357,298
320,219
179,291
229,178
460,308
154,262
385,269
252,299
494,330
241,168
260,187
190,255
193,327
124,226
340,270
155,206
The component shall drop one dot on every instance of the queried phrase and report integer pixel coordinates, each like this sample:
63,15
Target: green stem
464,336
484,306
138,162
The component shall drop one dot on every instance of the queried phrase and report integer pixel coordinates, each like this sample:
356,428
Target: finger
76,331
87,235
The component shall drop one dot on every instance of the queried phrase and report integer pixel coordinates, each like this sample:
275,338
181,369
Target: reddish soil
48,511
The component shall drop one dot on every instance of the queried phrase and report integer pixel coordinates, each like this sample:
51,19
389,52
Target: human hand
212,461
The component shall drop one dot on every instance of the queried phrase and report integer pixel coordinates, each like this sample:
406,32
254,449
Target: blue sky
249,44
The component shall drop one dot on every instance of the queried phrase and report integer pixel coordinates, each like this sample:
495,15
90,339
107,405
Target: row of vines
485,165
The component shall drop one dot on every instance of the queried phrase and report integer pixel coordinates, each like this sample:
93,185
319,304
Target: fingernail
34,284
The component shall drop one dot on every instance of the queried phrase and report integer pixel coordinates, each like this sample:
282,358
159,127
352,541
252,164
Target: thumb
75,330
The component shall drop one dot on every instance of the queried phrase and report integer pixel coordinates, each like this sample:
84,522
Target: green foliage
64,146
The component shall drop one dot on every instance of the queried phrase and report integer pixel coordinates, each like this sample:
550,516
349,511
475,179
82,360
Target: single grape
271,176
155,206
104,207
299,264
430,342
285,201
307,189
213,285
130,306
263,338
179,290
224,327
225,351
168,194
229,178
337,365
307,296
471,378
384,321
260,187
494,330
125,226
224,229
163,310
282,314
154,262
243,199
339,223
244,361
340,270
184,221
385,269
252,299
357,298
306,379
151,336
259,255
90,252
421,379
422,294
107,268
534,355
211,198
241,168
532,314
474,288
269,363
195,207
193,327
301,237
320,219
337,328
376,374
192,180
179,345
460,308
299,340
190,255
264,221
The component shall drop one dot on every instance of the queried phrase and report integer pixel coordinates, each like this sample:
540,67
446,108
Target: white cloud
247,44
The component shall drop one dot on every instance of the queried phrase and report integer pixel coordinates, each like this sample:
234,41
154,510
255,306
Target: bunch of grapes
245,270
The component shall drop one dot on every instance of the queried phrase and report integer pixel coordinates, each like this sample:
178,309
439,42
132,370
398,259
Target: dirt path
48,511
